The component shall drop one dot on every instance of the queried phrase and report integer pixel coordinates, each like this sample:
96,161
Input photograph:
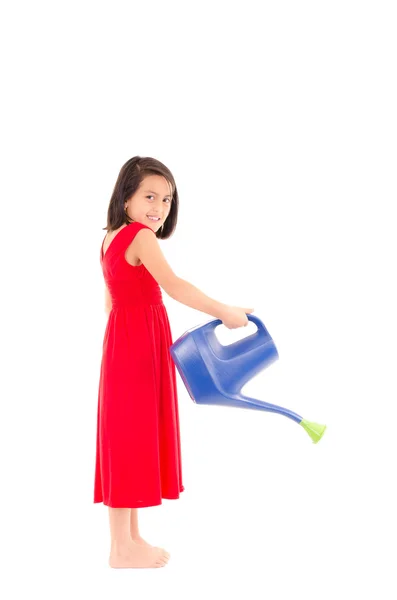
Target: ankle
121,546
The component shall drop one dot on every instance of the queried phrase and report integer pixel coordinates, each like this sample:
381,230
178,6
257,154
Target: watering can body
215,374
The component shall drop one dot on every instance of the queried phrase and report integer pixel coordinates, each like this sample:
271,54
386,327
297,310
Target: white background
278,121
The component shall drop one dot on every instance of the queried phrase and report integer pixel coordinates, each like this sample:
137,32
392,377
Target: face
152,199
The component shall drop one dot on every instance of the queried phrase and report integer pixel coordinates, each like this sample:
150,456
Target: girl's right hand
234,316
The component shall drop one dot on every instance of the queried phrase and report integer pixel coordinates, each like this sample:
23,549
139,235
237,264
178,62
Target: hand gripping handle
260,337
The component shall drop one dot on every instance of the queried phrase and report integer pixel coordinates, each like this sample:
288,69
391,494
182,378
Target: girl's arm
148,250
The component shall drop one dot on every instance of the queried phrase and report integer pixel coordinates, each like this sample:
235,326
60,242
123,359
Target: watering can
215,374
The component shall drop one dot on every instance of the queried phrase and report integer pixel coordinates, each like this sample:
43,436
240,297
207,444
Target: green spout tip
315,430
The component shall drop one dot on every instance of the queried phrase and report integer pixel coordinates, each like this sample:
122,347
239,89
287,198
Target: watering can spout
315,430
215,374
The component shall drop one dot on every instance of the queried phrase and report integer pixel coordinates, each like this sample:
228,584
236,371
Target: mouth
153,218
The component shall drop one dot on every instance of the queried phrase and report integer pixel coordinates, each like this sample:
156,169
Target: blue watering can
215,374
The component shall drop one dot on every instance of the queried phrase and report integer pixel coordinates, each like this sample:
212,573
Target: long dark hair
128,181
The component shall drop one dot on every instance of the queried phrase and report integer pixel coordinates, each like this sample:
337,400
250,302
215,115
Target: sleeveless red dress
138,450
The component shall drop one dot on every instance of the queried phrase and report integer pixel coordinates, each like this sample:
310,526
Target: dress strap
132,230
123,238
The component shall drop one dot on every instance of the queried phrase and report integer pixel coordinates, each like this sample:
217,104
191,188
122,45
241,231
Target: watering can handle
261,333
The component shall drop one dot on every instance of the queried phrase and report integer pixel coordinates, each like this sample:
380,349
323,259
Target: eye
168,199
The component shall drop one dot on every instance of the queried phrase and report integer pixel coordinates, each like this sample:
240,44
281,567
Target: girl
138,453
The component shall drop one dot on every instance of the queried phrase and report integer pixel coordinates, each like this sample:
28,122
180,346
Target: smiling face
152,199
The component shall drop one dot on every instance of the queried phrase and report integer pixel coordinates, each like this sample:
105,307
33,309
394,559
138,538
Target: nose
159,207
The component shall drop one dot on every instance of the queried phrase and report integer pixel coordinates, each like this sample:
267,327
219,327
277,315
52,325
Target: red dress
138,450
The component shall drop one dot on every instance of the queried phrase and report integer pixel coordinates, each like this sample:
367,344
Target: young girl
138,453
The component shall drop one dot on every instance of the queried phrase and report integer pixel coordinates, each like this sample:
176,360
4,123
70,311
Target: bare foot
141,542
137,556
